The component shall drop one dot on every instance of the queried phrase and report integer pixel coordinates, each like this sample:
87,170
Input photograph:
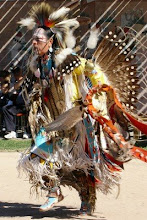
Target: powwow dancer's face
40,42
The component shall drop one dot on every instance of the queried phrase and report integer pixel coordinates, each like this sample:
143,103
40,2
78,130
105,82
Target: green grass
14,145
21,144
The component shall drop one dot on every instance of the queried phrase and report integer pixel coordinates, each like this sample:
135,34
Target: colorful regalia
74,105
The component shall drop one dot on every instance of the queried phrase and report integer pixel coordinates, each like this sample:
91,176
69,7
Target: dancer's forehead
40,35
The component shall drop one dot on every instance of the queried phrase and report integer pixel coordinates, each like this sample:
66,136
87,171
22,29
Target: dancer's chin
36,51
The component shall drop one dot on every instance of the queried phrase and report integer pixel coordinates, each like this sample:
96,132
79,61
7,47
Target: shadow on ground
31,210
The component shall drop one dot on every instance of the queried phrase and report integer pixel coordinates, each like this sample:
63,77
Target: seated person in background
5,78
14,106
18,80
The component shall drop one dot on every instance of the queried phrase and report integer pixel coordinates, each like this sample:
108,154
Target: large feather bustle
116,60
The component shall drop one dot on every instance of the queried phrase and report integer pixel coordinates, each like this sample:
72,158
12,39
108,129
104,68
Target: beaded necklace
46,65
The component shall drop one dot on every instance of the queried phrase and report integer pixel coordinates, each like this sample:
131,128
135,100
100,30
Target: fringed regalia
74,105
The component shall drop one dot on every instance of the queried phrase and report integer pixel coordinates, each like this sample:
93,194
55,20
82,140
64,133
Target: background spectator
14,103
4,92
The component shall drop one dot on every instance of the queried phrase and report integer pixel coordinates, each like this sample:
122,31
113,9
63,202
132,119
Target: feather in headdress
27,22
65,29
60,13
40,13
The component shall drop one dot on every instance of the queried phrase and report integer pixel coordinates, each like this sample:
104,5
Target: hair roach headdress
43,15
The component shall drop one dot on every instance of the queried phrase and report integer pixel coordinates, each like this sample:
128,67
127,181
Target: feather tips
27,22
40,13
66,120
58,14
68,23
67,27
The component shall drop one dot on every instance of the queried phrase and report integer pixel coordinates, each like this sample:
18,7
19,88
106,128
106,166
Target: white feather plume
27,22
59,58
70,40
67,27
59,13
68,23
93,39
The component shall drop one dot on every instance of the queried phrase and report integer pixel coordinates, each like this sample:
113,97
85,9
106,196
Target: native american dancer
74,104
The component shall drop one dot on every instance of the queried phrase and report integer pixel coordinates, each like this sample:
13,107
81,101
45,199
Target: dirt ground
16,202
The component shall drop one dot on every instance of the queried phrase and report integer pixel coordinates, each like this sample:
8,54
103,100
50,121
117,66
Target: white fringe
68,82
71,156
82,85
35,170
